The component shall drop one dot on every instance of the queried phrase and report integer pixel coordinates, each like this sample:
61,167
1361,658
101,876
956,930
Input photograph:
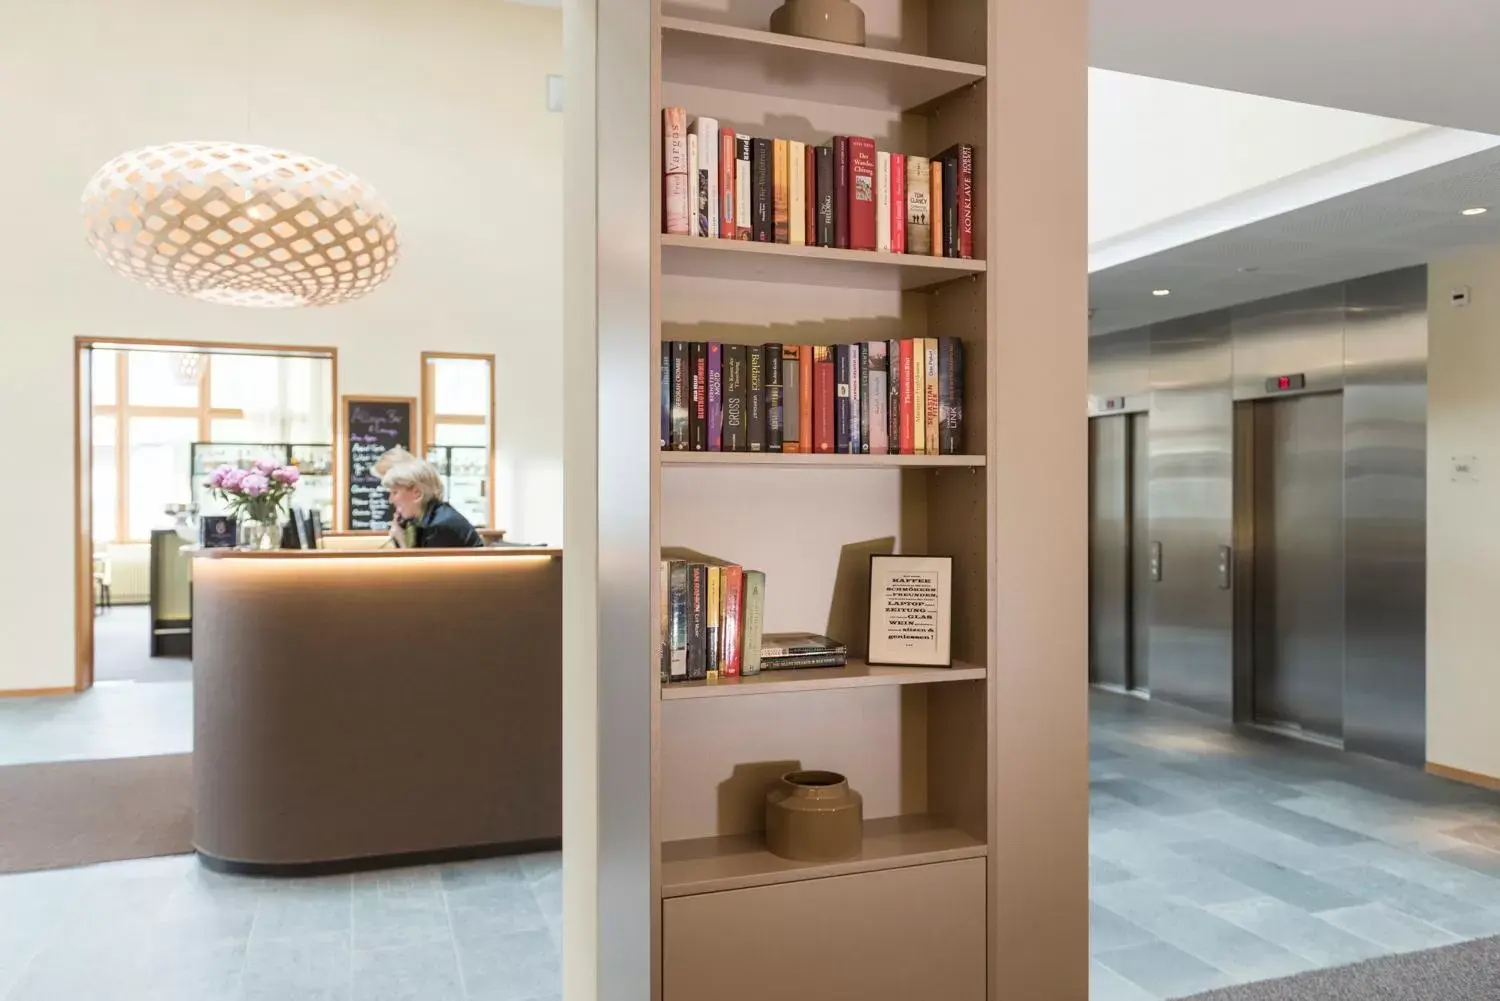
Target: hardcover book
841,436
736,436
859,406
823,157
762,221
666,394
893,396
950,206
676,600
962,156
882,201
932,389
715,397
675,170
742,187
810,194
791,398
907,408
681,397
754,601
775,407
950,395
877,399
796,168
841,192
755,398
697,622
695,186
727,194
713,615
706,131
918,205
898,203
918,395
731,655
780,190
698,398
861,193
824,392
805,404
935,212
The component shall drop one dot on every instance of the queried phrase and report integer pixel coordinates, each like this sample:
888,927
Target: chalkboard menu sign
373,425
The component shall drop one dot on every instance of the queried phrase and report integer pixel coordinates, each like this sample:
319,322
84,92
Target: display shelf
820,460
856,674
761,62
740,861
742,260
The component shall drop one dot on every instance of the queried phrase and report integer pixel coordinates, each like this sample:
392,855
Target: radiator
130,574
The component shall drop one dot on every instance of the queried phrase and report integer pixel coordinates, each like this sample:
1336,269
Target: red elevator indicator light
1285,383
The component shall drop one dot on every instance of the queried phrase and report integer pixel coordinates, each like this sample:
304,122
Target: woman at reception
423,519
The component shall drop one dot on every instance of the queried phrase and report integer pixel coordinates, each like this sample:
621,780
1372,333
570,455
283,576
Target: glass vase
259,535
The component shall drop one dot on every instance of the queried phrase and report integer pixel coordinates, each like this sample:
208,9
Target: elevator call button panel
1286,383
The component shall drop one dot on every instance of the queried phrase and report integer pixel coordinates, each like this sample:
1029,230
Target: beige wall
440,104
1463,515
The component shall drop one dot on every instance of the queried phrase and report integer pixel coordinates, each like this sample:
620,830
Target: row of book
898,397
711,623
846,194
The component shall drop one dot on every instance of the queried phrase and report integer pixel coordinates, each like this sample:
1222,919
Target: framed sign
911,611
372,426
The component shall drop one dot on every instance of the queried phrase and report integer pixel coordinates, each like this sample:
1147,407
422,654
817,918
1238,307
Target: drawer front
892,935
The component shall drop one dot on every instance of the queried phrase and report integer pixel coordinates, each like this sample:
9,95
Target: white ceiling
1409,220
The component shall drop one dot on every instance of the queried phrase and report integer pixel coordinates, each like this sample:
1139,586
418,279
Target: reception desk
365,708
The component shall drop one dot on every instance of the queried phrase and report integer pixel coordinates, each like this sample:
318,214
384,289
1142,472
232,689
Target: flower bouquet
257,497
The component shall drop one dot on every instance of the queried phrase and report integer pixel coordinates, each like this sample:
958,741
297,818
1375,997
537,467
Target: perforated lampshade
243,225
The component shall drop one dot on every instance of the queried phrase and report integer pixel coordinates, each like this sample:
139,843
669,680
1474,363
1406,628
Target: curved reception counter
362,708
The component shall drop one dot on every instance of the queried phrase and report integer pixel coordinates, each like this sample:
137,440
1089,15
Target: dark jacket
442,527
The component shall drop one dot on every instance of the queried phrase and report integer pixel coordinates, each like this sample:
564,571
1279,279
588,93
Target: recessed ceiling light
1477,210
1161,291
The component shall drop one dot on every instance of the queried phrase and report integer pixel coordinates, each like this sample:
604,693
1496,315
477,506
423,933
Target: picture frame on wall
911,611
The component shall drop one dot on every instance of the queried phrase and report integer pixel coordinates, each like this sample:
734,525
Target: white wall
1463,515
1158,149
440,104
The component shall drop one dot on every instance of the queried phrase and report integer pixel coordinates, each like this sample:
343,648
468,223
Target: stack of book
789,651
899,397
711,615
846,194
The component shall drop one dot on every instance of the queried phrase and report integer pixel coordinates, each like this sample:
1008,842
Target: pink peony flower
286,474
233,479
254,484
216,478
265,466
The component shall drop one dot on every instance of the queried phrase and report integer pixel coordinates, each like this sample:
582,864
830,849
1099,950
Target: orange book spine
937,210
731,592
805,397
727,193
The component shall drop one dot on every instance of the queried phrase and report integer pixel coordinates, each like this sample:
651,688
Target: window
458,401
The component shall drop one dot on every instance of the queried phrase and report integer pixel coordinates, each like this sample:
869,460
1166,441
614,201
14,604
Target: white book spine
796,154
675,169
707,130
879,426
694,221
742,183
883,202
930,404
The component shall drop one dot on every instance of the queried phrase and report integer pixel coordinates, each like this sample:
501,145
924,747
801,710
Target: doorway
1119,553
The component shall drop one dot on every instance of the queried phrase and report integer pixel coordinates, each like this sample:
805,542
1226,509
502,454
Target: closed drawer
892,935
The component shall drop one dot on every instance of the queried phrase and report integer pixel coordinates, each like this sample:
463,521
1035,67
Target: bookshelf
971,881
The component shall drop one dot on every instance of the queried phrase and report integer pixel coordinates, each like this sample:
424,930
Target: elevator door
1298,601
1118,559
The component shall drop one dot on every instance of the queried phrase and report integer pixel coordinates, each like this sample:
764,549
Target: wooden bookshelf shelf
856,674
737,862
823,460
741,260
760,62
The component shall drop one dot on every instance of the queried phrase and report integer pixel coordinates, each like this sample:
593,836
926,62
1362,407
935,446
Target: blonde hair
417,474
391,457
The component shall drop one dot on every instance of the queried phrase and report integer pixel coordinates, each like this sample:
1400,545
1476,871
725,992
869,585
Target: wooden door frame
429,417
83,469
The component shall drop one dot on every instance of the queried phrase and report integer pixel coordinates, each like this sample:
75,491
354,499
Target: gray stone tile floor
1223,856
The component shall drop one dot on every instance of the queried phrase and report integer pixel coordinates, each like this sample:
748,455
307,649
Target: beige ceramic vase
825,20
814,817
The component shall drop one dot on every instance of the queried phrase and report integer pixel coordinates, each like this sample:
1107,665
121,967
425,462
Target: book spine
734,399
798,662
859,391
861,193
713,618
935,207
727,195
742,187
697,661
810,194
791,396
730,632
674,160
950,207
898,203
825,391
883,201
841,437
707,131
841,192
754,621
796,193
919,396
755,398
908,423
666,394
918,205
698,402
893,396
877,397
933,390
715,397
664,605
805,402
762,222
966,201
825,185
677,617
681,396
695,193
780,193
951,398
775,399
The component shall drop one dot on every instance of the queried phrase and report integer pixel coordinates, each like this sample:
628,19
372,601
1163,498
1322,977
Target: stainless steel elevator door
1298,604
1109,551
1141,587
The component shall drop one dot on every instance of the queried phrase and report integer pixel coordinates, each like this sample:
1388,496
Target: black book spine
735,439
864,396
775,398
680,391
893,396
825,196
677,620
666,393
950,395
755,398
762,219
841,398
698,404
950,206
697,652
841,192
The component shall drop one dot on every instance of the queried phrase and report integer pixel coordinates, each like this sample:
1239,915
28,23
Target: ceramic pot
814,817
825,20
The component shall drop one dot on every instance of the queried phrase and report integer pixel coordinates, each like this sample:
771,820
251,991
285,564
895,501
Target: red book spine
727,154
805,391
841,191
966,201
810,177
861,193
907,444
823,398
730,630
898,203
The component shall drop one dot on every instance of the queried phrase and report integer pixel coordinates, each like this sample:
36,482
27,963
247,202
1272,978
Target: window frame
431,417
